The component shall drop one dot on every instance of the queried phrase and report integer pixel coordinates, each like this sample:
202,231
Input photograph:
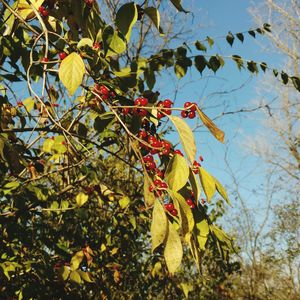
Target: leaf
240,36
239,61
208,183
179,70
296,82
85,276
186,288
24,9
200,46
85,42
214,63
202,232
185,214
124,202
252,66
29,104
173,249
76,260
263,66
200,63
154,15
284,77
74,276
267,27
81,199
148,196
177,4
275,72
186,137
125,19
217,133
177,173
71,72
195,185
47,146
230,38
159,225
210,41
252,33
64,272
221,191
113,42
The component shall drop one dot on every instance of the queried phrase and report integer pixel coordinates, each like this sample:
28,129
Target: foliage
85,168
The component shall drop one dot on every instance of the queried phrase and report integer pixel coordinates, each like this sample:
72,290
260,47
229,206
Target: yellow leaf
74,276
76,260
24,9
186,137
148,196
85,276
29,104
202,233
159,225
64,272
124,202
217,133
195,185
81,199
177,173
71,72
185,214
222,191
208,183
173,250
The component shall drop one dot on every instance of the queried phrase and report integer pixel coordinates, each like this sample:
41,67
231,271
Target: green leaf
296,82
159,225
113,42
177,4
252,66
71,72
200,63
148,196
252,33
154,15
217,133
284,77
85,42
214,63
186,137
200,46
125,19
240,36
124,202
81,199
230,38
275,72
173,249
177,173
74,276
208,183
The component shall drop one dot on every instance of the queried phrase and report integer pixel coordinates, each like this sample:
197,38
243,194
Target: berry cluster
190,110
166,105
190,201
171,209
103,91
43,11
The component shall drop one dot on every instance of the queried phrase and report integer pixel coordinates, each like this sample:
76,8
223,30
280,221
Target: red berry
142,112
137,102
163,185
187,105
143,134
178,152
194,106
144,101
20,104
159,173
41,9
167,111
165,152
148,158
45,60
104,90
45,13
62,55
151,188
191,115
125,111
174,212
112,94
96,46
150,165
169,206
151,139
160,104
55,105
167,103
189,201
184,114
157,182
156,144
202,201
160,115
166,144
192,206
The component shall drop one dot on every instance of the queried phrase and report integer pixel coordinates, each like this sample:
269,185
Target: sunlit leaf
159,225
71,72
74,276
173,249
76,260
148,196
177,173
217,133
186,137
81,199
208,183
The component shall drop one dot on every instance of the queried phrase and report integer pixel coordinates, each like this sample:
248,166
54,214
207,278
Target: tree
85,165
